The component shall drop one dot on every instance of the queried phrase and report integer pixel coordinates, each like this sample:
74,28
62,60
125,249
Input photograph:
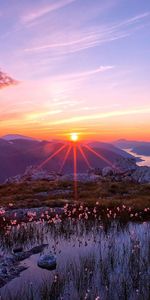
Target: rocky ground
10,265
125,169
125,182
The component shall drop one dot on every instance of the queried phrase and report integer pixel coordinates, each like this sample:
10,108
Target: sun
74,137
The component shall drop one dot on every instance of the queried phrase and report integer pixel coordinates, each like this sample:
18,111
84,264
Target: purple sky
81,65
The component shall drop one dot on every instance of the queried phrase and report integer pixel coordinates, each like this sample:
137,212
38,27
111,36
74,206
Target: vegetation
44,193
94,261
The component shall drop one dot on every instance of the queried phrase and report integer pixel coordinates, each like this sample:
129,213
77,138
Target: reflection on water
145,159
94,261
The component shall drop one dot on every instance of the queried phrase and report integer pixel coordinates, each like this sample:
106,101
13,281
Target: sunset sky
80,65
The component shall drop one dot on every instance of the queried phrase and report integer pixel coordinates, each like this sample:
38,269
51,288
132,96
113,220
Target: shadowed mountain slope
17,155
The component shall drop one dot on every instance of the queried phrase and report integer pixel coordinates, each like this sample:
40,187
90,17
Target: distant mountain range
138,147
101,145
11,137
17,154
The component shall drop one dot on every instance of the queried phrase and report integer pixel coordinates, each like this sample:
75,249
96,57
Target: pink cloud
36,14
6,80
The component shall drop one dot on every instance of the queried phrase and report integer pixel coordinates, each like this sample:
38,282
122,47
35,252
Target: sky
75,66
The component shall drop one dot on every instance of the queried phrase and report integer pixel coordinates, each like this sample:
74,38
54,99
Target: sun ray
65,158
75,170
99,155
51,156
84,157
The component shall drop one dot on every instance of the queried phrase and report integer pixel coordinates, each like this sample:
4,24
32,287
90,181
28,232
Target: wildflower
2,211
13,222
94,210
55,278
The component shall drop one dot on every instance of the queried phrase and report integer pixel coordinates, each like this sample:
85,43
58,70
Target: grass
116,267
108,194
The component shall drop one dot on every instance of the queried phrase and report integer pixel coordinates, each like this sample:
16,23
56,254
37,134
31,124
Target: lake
145,159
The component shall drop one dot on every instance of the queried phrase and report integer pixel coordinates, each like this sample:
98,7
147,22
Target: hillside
16,155
138,147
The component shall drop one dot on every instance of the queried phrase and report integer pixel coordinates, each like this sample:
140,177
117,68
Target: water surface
95,260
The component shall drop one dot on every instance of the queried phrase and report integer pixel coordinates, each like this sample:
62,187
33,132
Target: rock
10,265
19,256
107,171
142,175
38,249
47,262
123,165
14,179
18,249
32,174
81,177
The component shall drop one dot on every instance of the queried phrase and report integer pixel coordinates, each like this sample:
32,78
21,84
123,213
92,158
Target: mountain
11,137
137,147
108,146
16,155
125,144
143,149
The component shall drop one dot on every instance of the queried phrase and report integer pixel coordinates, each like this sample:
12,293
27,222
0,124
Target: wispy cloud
80,75
41,12
101,116
91,36
6,80
41,115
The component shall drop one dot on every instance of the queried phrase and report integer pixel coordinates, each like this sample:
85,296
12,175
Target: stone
32,174
47,262
10,265
18,249
123,165
142,175
107,171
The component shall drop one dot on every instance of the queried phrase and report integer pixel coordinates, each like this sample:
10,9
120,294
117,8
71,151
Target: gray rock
47,262
81,177
123,165
18,249
142,175
32,174
107,171
19,256
10,265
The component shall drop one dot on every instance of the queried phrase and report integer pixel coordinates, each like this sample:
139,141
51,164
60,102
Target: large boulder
47,262
107,171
